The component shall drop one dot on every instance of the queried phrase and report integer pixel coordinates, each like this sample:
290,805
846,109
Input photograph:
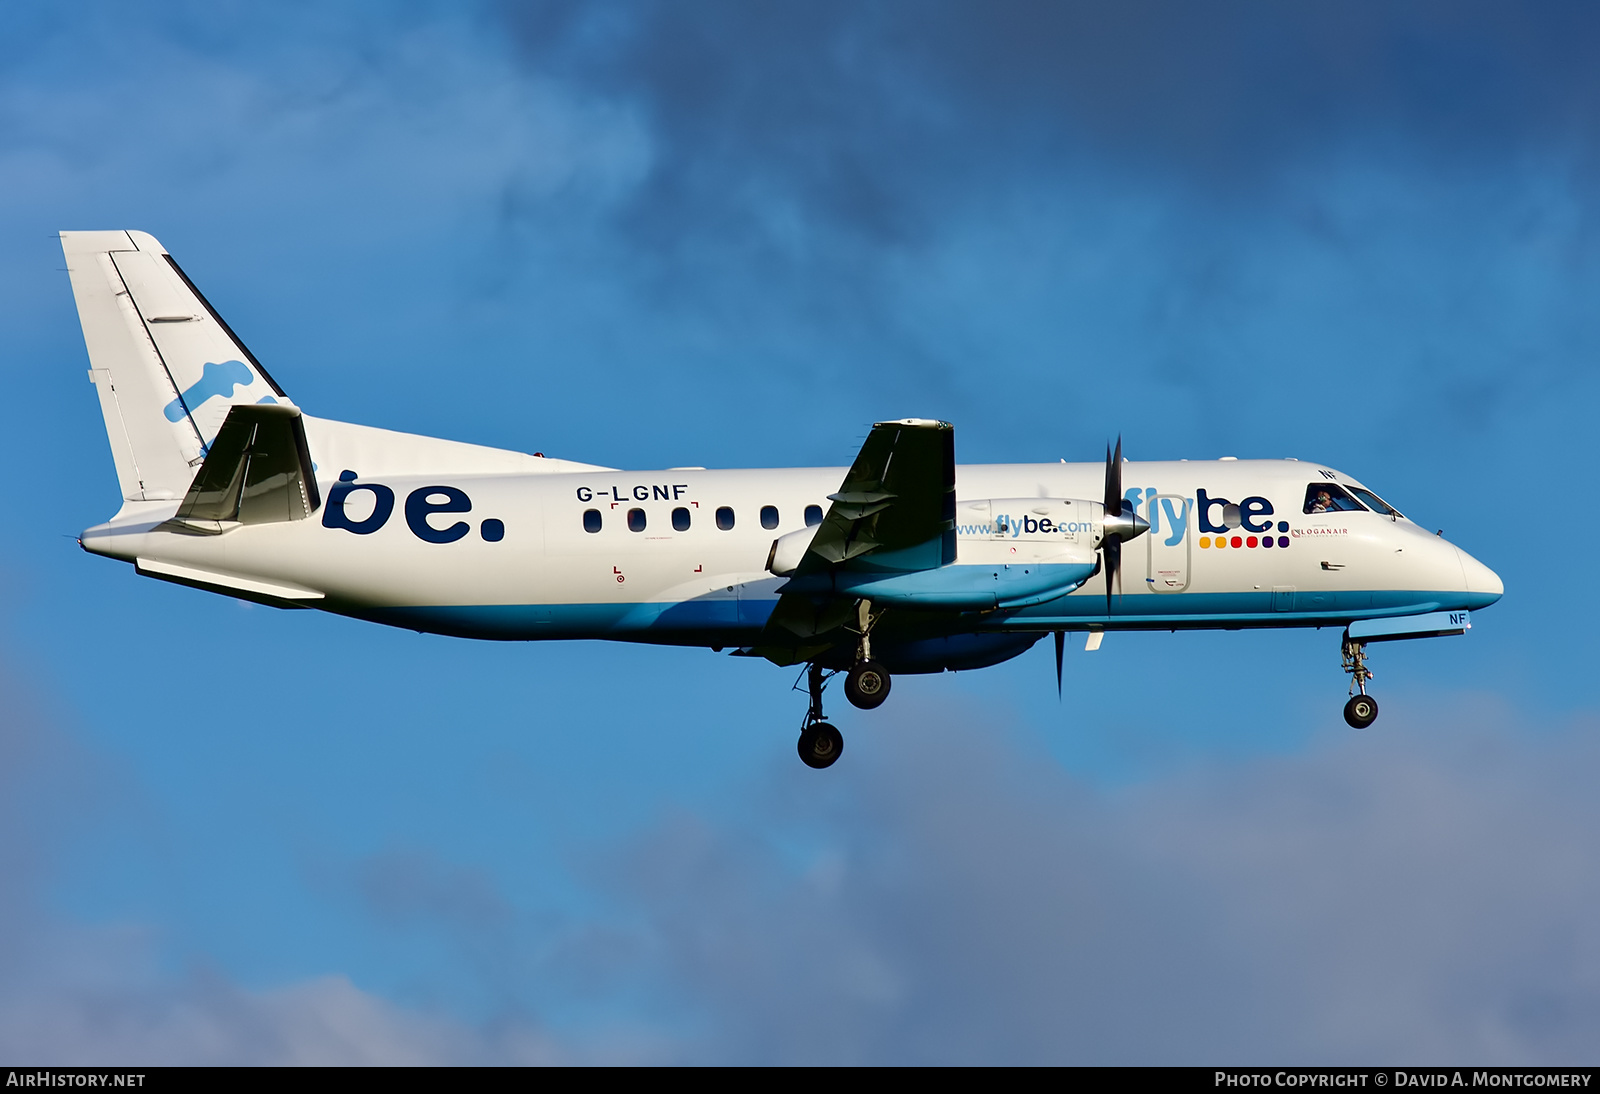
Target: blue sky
735,234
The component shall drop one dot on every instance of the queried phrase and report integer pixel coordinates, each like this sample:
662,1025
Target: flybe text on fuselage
1169,515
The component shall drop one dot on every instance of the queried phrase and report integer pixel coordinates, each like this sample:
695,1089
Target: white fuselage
518,561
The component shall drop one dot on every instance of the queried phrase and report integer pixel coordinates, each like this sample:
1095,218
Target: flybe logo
1169,516
423,505
1006,525
1216,517
215,379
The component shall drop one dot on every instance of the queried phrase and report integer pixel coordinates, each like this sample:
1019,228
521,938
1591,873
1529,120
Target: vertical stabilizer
166,366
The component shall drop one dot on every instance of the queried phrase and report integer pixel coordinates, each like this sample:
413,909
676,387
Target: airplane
903,563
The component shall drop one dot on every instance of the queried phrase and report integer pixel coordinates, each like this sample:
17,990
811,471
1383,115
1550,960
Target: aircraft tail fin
167,368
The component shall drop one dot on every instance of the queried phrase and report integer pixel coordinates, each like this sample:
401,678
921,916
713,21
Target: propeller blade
1114,478
1061,644
1111,547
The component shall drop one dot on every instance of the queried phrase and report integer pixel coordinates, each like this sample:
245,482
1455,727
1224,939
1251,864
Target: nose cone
1484,586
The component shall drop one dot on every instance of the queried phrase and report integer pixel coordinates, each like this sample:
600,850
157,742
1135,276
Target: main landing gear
1362,709
820,743
866,685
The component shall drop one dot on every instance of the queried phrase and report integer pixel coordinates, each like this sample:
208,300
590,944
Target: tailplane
167,368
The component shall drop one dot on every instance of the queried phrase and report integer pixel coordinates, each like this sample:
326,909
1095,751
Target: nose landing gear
1362,709
820,744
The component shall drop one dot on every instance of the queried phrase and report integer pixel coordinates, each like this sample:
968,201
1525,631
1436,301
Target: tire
1361,711
867,685
820,745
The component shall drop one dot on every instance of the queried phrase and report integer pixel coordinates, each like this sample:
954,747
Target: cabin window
591,520
725,518
1373,502
680,519
635,520
1327,497
769,517
813,515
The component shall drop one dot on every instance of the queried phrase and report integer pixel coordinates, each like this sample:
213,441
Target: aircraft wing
893,514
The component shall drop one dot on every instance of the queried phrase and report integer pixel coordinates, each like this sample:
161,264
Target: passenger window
769,517
591,520
725,518
635,520
680,519
1372,501
1327,497
813,515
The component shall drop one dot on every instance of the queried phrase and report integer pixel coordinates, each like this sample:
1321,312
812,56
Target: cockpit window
1373,502
1327,497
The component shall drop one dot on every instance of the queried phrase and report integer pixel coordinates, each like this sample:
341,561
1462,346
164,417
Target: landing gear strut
820,744
867,683
1362,709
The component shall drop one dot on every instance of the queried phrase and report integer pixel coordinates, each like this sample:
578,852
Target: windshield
1375,503
1326,497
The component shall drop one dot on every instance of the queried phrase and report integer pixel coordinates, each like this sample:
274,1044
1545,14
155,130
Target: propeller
1061,645
1122,522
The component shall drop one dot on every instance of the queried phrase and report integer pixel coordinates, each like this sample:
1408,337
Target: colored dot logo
1207,543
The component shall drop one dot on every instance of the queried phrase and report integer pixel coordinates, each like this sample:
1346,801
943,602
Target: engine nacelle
1010,553
788,550
1013,530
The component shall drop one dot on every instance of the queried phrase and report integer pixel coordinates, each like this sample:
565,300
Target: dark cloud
871,117
884,198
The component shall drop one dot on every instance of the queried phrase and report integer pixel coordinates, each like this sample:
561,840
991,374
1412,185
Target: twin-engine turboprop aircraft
904,563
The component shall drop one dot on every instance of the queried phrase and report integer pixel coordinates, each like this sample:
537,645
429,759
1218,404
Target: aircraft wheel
1361,711
820,745
867,685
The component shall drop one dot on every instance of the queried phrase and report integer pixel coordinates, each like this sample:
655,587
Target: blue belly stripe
730,622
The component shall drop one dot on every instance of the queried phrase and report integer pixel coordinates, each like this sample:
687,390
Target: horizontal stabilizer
277,594
258,471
